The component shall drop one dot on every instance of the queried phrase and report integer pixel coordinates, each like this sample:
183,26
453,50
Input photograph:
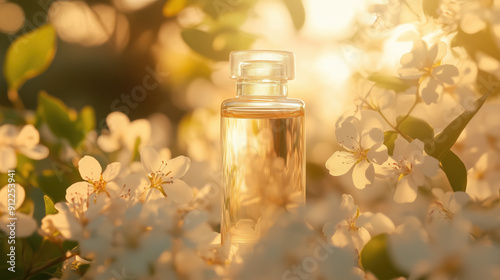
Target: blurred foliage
376,259
389,82
63,122
415,128
220,33
29,55
217,45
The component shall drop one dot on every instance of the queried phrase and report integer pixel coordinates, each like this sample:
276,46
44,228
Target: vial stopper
258,64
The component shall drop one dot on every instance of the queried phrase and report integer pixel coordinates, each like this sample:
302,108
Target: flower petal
28,136
363,174
112,170
472,23
138,129
429,166
445,73
135,184
151,161
400,147
375,223
8,159
178,167
117,122
329,229
347,207
19,195
36,152
340,162
178,191
89,168
405,192
341,237
108,143
348,136
359,238
25,225
430,90
114,190
417,56
151,194
65,222
78,193
8,134
378,154
415,151
437,52
409,245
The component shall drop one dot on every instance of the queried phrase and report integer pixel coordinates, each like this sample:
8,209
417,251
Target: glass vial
263,146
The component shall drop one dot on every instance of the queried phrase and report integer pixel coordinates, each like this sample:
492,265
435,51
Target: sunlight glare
330,18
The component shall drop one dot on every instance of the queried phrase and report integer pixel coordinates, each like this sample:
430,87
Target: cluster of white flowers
135,219
438,208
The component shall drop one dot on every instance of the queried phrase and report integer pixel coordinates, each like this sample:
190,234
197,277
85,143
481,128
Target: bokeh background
105,50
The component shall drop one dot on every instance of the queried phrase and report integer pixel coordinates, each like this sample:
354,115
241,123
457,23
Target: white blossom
425,64
364,149
350,228
123,133
23,140
97,184
411,165
164,176
25,225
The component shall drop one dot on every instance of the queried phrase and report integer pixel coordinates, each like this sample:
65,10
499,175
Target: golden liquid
263,170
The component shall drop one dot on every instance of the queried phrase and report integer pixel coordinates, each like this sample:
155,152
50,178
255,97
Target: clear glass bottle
263,146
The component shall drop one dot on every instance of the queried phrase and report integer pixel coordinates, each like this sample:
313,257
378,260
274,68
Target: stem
49,264
417,100
13,96
394,127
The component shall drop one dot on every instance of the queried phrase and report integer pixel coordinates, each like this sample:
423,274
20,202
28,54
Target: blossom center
351,225
159,177
99,186
359,154
403,167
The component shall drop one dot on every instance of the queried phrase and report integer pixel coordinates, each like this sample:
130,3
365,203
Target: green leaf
135,151
217,45
455,171
12,116
62,121
173,7
29,55
389,139
297,12
86,119
388,82
52,185
218,9
415,128
49,206
376,259
443,142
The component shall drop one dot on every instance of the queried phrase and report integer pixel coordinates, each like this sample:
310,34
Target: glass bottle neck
261,88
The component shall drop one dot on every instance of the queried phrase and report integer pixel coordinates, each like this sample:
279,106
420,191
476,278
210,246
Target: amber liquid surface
263,170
